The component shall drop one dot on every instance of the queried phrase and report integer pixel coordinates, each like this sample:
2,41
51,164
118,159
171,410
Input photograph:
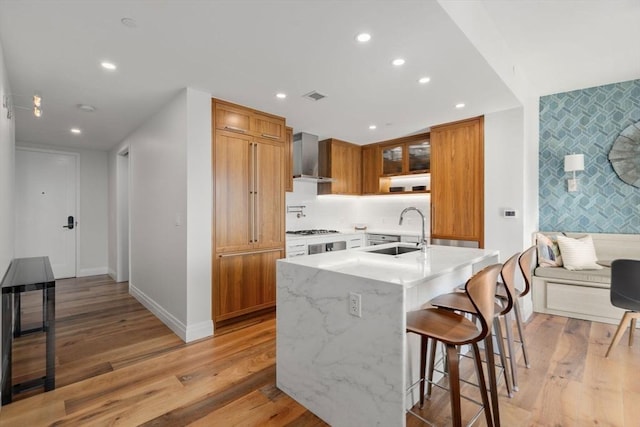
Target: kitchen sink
394,250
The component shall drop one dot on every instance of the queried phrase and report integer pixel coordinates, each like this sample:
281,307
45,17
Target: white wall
170,187
503,185
199,214
93,214
7,159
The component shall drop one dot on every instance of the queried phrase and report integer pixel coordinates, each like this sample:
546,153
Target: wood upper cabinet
384,161
457,181
371,169
232,118
268,127
341,161
246,282
288,153
406,156
235,118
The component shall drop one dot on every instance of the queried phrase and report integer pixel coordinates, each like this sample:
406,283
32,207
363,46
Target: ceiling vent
314,96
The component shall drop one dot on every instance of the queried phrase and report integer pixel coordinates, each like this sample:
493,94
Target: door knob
69,223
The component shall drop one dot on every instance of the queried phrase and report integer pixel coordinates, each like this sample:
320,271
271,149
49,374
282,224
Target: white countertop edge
406,270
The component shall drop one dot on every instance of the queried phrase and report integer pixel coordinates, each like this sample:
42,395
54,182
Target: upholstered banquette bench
583,293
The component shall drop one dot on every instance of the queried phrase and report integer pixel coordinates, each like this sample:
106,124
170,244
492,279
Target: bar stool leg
512,353
497,327
482,384
424,342
432,362
454,385
493,386
516,307
631,331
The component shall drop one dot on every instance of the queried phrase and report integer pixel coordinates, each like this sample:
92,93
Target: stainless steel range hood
305,158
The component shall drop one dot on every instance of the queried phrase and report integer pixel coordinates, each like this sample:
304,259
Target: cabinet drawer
234,119
581,300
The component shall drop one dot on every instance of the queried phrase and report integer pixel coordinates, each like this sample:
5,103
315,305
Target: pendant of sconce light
37,105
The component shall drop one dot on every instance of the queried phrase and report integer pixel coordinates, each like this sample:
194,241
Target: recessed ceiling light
460,105
108,65
86,108
281,95
372,127
423,80
77,131
398,62
363,37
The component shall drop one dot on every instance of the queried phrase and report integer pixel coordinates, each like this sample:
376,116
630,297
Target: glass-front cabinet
419,157
393,159
406,158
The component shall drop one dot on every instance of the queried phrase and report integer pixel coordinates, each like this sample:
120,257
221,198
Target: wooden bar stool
459,301
454,330
527,262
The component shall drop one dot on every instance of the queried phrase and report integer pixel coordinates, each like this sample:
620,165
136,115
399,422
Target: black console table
24,275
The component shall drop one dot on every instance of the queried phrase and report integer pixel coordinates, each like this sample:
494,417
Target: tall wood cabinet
457,181
249,229
288,182
341,161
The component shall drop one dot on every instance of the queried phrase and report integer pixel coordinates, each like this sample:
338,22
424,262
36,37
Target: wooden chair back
527,262
508,275
481,289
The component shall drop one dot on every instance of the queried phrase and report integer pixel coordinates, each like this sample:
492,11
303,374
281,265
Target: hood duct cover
305,158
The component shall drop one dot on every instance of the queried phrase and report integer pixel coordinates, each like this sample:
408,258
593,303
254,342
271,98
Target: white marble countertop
409,269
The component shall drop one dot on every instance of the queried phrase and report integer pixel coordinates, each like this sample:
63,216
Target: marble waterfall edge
347,371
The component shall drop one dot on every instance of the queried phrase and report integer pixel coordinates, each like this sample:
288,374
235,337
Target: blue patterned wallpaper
587,122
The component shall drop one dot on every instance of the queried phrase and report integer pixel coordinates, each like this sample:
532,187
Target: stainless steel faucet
423,241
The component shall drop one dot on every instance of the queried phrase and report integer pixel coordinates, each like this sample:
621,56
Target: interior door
45,209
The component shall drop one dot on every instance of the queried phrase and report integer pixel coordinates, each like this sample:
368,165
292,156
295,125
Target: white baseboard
113,275
186,333
84,272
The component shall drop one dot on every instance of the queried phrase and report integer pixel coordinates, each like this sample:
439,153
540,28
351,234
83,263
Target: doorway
46,207
122,224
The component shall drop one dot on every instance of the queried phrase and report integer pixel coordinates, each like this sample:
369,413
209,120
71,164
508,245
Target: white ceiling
246,51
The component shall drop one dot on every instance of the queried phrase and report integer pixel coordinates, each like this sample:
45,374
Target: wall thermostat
509,213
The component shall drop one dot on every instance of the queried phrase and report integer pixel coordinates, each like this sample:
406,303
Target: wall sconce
7,102
573,163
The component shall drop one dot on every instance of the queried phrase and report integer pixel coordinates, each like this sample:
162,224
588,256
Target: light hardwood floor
119,365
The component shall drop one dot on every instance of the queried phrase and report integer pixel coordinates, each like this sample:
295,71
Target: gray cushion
597,276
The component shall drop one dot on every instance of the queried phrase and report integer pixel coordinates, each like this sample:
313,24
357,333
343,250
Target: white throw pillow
578,254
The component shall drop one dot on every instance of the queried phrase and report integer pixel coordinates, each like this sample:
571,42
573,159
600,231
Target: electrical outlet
355,307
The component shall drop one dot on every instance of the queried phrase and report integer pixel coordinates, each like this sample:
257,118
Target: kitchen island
354,370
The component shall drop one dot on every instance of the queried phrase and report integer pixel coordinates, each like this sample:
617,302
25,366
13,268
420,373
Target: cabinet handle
233,128
255,192
250,253
252,201
267,135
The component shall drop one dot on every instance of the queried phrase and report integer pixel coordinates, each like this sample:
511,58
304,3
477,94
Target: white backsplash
343,213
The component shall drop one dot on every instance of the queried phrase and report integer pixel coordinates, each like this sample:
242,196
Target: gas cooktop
312,232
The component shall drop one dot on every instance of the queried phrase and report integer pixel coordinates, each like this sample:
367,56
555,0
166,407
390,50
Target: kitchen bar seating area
569,382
